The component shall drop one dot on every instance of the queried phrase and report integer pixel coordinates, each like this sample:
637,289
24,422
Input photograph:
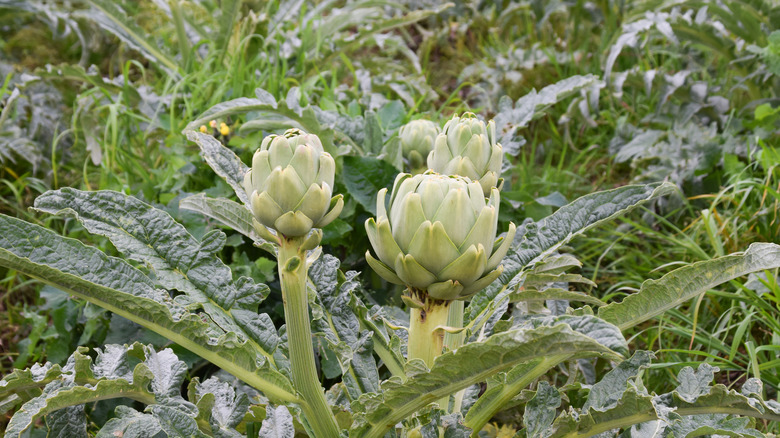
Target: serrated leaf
70,422
456,370
223,161
152,237
657,296
708,412
228,213
541,238
511,117
541,410
554,294
606,392
65,392
228,408
129,423
359,368
278,423
113,284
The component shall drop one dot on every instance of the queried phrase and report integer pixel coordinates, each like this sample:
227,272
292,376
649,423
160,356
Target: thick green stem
486,408
452,341
293,274
425,342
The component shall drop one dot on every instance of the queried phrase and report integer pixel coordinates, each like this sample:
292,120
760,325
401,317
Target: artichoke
438,235
468,147
417,139
290,184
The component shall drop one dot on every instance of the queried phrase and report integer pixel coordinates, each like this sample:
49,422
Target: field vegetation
641,158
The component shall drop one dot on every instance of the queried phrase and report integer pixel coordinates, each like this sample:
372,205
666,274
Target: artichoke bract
438,235
467,147
290,184
417,139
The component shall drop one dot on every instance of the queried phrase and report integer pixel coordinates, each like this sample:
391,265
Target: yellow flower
203,129
224,129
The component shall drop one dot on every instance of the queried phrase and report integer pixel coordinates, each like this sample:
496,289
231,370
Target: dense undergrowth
587,96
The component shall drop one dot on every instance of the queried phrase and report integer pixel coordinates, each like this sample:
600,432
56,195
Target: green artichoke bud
290,184
439,235
467,147
417,139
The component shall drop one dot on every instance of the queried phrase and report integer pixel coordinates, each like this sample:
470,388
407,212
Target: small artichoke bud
290,184
467,147
438,235
417,139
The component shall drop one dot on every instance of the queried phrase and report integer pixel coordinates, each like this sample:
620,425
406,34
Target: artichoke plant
438,235
290,184
467,147
417,139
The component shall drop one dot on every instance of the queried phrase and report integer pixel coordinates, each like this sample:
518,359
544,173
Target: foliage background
95,95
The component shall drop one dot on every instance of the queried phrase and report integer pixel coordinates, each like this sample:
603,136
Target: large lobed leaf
456,370
136,372
228,213
545,236
151,236
694,407
333,318
511,117
657,296
115,285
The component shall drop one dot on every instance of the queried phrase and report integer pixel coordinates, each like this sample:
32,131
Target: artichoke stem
452,341
425,342
293,274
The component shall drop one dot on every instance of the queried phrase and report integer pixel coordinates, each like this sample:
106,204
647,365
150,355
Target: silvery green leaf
278,423
597,329
511,117
359,367
606,393
699,409
456,370
541,410
554,294
70,422
227,408
265,97
117,372
175,422
503,388
228,213
387,344
129,423
694,384
535,240
152,237
223,161
683,284
113,284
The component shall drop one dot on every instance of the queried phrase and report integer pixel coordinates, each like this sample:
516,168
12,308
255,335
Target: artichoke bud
438,234
417,139
467,147
290,184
